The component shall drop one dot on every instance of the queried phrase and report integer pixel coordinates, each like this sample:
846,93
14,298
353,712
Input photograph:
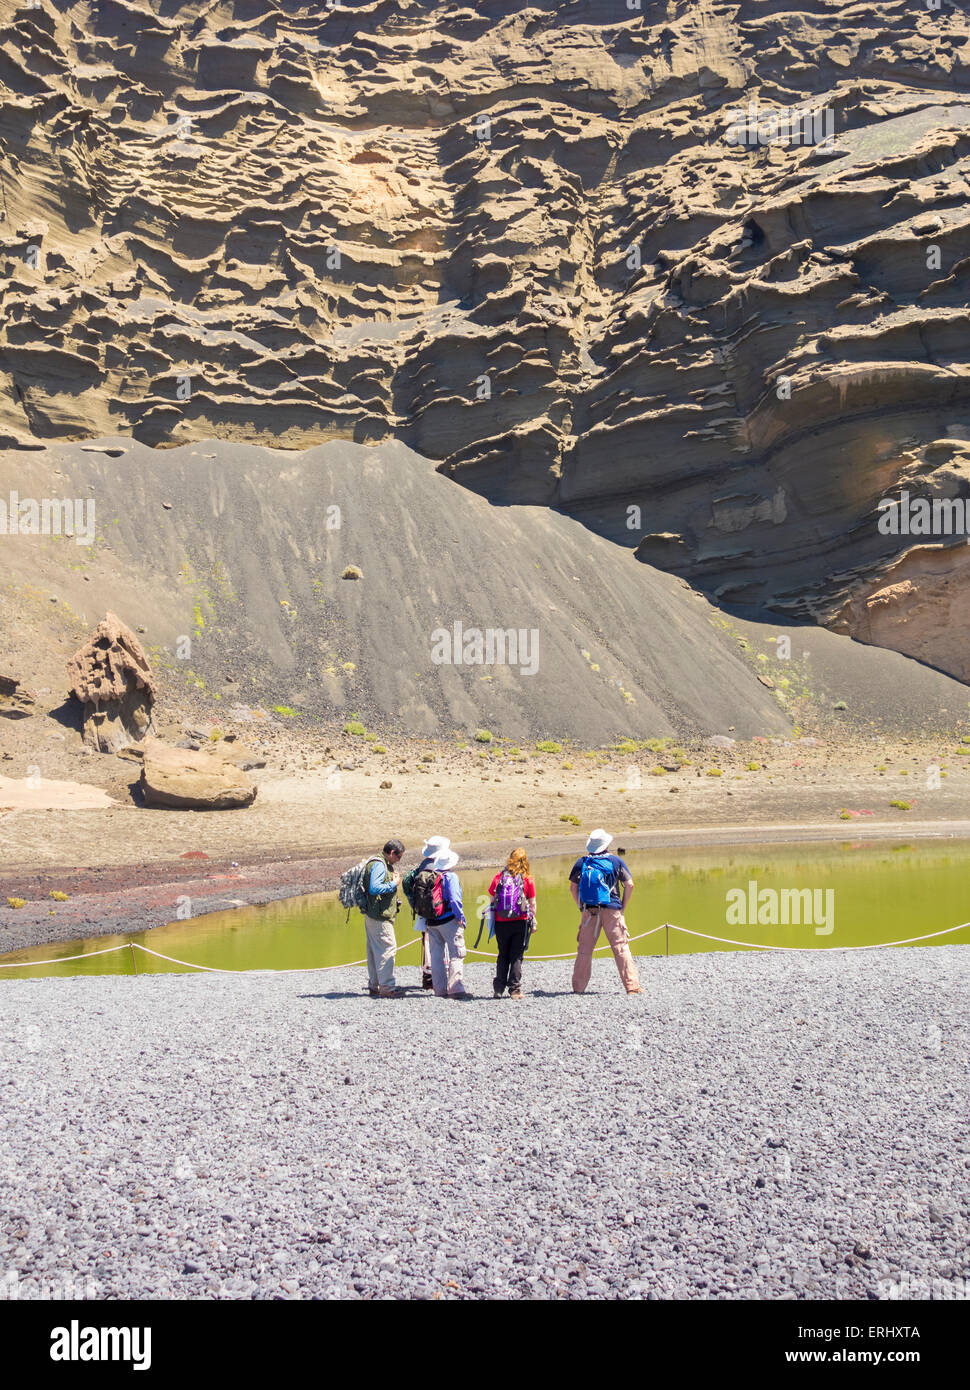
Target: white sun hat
597,842
444,861
435,844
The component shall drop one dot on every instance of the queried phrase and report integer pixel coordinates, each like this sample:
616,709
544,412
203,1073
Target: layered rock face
15,701
921,608
694,272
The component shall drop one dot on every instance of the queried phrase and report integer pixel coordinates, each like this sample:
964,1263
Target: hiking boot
390,994
466,995
496,994
373,991
516,994
426,981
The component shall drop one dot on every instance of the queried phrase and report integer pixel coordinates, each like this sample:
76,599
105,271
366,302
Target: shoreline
106,901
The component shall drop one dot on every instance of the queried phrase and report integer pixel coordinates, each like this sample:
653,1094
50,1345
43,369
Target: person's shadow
409,993
337,994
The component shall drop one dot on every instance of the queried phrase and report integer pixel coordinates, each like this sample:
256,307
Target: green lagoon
858,894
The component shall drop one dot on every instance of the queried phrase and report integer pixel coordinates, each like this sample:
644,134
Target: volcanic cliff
561,250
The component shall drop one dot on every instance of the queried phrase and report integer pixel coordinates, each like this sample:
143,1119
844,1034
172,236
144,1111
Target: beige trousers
381,945
610,919
446,941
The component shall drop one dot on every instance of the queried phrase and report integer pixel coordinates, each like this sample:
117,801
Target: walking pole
666,938
134,967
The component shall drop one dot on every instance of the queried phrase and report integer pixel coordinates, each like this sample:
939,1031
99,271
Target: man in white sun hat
433,845
596,881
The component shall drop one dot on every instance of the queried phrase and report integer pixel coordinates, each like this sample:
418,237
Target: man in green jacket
380,910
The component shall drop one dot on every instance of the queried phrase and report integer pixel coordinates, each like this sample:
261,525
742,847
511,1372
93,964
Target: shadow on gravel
337,994
135,791
362,994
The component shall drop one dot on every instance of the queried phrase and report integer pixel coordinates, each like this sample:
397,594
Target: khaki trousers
610,920
381,945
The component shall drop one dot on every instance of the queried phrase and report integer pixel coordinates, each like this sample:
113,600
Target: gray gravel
766,1126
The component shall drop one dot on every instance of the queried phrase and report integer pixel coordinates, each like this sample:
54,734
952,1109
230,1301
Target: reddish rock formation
920,607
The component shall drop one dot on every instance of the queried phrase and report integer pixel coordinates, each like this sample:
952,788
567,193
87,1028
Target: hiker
380,908
434,845
513,895
437,897
594,882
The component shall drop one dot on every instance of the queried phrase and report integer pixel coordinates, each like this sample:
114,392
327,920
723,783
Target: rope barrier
291,970
22,964
491,955
876,946
567,955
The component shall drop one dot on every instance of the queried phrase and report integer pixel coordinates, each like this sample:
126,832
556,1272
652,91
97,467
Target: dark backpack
407,888
428,895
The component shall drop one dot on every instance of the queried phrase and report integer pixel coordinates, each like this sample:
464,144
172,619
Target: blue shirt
621,874
380,884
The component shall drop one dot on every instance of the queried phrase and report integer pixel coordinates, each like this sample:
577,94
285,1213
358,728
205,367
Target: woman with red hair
513,895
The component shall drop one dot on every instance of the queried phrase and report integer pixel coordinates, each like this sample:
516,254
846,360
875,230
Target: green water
881,893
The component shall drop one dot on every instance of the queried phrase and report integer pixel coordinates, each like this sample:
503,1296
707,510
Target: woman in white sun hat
445,924
596,881
433,845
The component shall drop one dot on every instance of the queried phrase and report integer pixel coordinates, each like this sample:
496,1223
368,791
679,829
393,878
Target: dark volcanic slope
228,546
229,558
519,241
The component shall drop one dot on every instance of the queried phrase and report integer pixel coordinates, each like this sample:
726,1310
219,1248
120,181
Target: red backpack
428,895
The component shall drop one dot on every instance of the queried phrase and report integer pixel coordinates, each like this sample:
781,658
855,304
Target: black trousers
511,938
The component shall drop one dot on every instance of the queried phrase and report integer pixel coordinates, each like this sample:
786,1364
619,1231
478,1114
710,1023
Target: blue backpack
596,880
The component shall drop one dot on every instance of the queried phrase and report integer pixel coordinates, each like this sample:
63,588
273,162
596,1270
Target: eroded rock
111,677
15,701
920,606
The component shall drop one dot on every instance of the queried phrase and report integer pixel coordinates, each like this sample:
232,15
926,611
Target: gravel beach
751,1126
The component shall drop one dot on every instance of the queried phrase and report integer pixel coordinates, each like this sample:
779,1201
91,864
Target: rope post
134,967
666,938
